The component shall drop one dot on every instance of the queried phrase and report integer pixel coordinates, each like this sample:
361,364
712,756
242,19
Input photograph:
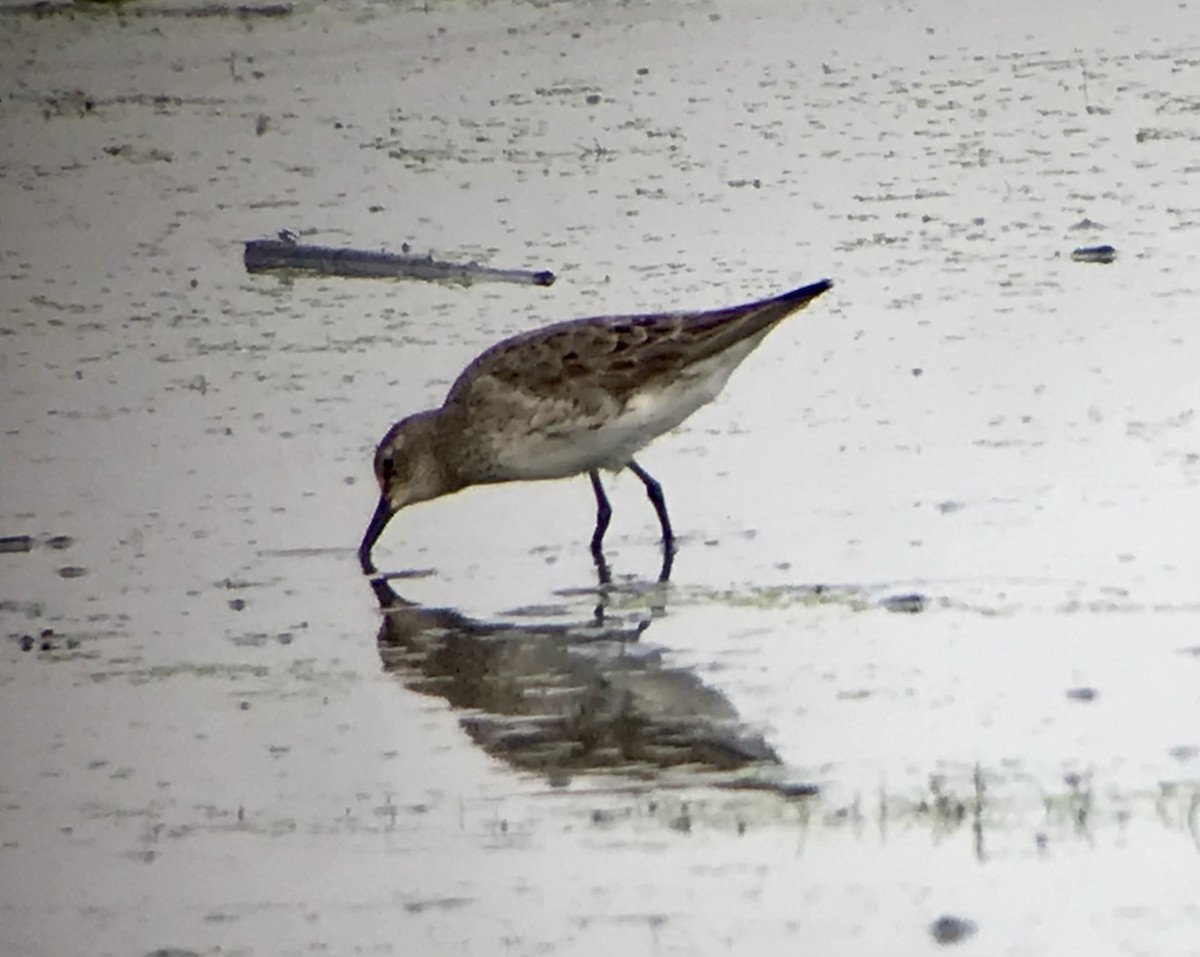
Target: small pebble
912,604
1094,254
16,543
798,790
949,929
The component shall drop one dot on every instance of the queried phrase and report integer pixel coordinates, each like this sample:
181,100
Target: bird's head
408,470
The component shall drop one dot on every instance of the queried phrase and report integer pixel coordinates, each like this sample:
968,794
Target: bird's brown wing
614,356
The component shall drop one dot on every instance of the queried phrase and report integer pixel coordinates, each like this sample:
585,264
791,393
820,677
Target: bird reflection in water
562,698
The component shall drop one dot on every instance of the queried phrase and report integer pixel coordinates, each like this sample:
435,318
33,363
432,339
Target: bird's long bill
383,514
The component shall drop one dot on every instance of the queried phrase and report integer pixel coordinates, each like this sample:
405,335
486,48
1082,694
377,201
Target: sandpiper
571,398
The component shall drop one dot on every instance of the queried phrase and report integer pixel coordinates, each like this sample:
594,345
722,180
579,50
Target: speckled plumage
570,398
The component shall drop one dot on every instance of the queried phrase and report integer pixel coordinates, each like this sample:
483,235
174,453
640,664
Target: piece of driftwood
49,8
268,255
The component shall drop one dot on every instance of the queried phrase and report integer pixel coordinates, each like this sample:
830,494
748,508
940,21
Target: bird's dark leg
654,490
603,514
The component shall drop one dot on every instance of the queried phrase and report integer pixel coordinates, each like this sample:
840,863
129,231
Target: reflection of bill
558,698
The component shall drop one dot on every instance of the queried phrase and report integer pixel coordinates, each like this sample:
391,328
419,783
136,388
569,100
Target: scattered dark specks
643,70
439,903
237,604
173,952
949,929
911,604
918,372
71,571
1147,134
1082,694
59,542
26,642
949,508
1184,752
592,99
262,123
1094,254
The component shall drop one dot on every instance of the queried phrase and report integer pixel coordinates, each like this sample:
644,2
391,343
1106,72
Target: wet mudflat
926,673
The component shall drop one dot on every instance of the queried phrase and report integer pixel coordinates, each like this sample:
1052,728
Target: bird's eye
387,468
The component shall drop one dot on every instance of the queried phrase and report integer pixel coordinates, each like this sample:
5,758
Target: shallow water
212,740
